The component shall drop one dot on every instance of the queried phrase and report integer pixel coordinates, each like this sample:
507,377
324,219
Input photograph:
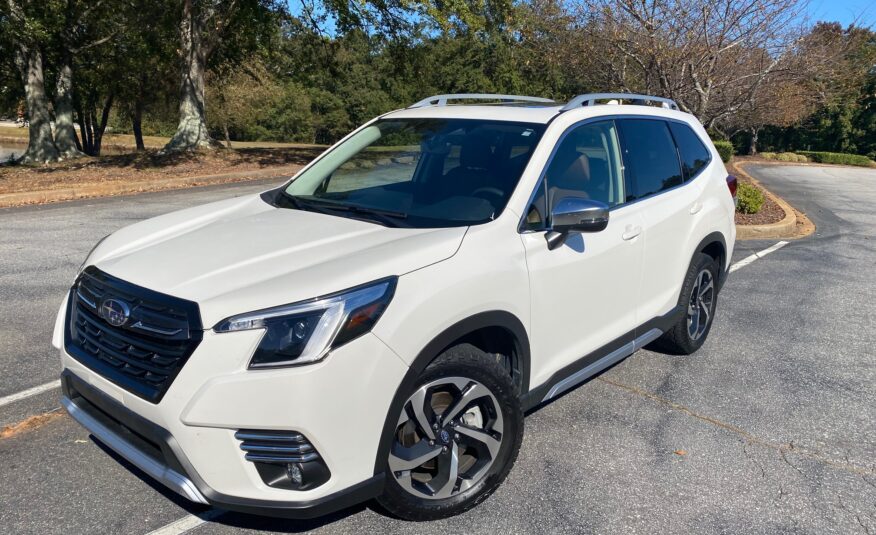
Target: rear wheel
699,298
456,439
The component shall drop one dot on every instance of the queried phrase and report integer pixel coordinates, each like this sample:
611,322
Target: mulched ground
770,212
147,166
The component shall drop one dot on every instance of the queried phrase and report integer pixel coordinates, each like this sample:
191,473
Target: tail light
732,183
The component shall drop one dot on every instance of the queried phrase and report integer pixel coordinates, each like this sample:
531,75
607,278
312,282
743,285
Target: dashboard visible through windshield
419,172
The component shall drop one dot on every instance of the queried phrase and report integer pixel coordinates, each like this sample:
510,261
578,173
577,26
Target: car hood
243,254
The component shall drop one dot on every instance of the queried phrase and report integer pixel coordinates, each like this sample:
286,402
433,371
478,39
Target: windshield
419,172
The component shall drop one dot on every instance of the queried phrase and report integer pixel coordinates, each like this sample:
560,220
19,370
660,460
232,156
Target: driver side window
586,164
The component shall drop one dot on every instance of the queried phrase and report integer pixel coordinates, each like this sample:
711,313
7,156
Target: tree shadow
154,159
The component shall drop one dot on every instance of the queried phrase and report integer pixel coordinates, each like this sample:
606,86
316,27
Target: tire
684,338
483,434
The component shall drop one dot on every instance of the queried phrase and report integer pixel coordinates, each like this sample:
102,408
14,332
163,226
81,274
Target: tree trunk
100,127
41,146
191,132
227,136
752,146
137,124
84,131
65,133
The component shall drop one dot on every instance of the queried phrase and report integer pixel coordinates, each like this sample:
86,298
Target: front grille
143,354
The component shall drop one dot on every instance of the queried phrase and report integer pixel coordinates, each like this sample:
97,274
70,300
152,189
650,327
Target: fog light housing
283,459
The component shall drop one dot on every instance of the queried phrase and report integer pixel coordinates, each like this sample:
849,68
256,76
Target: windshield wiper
377,215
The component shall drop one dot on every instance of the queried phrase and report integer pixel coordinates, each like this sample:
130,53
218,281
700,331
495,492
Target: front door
584,293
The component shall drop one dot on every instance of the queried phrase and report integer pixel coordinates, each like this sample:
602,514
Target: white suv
378,326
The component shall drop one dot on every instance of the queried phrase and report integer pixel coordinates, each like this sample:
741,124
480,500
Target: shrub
786,157
800,158
768,155
749,199
837,158
725,149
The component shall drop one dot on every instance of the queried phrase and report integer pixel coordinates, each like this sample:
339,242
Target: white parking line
12,398
186,523
760,254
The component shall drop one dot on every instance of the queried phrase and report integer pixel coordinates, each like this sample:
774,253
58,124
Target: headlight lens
305,332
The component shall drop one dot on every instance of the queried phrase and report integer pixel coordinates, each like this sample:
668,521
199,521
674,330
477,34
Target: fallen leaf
680,452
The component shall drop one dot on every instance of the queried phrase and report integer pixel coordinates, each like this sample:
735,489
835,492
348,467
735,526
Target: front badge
115,312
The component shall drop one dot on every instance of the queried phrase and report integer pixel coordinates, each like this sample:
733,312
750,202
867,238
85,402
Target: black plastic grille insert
146,352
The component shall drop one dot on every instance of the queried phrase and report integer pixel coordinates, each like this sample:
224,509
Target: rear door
669,201
584,293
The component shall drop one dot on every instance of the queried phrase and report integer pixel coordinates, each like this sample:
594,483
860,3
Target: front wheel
457,436
699,298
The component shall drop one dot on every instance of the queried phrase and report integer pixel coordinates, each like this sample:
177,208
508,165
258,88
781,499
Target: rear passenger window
650,153
694,155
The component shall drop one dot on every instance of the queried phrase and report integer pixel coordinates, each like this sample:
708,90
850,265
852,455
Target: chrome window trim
614,117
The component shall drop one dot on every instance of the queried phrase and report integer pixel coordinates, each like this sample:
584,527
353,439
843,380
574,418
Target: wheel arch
714,245
491,321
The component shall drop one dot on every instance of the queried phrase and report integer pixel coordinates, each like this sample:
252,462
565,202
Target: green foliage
749,199
768,155
786,157
725,149
837,158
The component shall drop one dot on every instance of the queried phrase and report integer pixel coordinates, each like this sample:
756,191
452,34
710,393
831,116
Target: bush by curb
725,149
750,199
837,158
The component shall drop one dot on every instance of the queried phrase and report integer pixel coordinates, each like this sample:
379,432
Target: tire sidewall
702,262
402,503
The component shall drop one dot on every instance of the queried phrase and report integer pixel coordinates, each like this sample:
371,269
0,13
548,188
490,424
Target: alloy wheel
699,309
447,437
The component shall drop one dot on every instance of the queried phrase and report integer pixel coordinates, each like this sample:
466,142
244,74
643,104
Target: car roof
531,114
523,114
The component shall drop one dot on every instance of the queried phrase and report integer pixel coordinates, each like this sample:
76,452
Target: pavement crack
747,436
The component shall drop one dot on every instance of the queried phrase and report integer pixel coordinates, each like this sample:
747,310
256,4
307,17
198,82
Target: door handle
697,206
631,232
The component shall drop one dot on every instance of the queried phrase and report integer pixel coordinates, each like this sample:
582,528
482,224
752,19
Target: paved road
769,428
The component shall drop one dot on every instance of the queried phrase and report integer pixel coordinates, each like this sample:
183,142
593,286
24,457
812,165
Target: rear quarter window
694,154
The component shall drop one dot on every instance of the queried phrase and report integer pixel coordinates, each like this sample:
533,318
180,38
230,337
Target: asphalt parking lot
770,428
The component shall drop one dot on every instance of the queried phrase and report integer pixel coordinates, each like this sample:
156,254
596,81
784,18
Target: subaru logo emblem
115,312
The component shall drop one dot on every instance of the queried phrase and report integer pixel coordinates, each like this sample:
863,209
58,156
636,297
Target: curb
786,228
85,191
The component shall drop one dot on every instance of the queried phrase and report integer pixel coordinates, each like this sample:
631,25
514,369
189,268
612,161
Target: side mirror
573,214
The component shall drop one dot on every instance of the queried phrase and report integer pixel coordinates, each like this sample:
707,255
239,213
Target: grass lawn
149,166
122,142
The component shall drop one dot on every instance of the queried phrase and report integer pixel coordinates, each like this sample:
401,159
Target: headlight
305,332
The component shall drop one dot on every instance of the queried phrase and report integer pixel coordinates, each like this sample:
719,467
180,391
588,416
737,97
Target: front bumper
154,451
187,440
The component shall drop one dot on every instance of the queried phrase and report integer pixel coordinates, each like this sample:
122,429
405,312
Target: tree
86,25
203,27
23,25
710,56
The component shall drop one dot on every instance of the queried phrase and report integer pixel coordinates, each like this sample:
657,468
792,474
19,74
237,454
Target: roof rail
441,100
590,99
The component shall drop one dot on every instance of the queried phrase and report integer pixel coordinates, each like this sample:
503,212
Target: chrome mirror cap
574,214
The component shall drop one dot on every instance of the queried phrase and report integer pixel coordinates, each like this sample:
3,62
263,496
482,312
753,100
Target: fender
705,242
495,318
